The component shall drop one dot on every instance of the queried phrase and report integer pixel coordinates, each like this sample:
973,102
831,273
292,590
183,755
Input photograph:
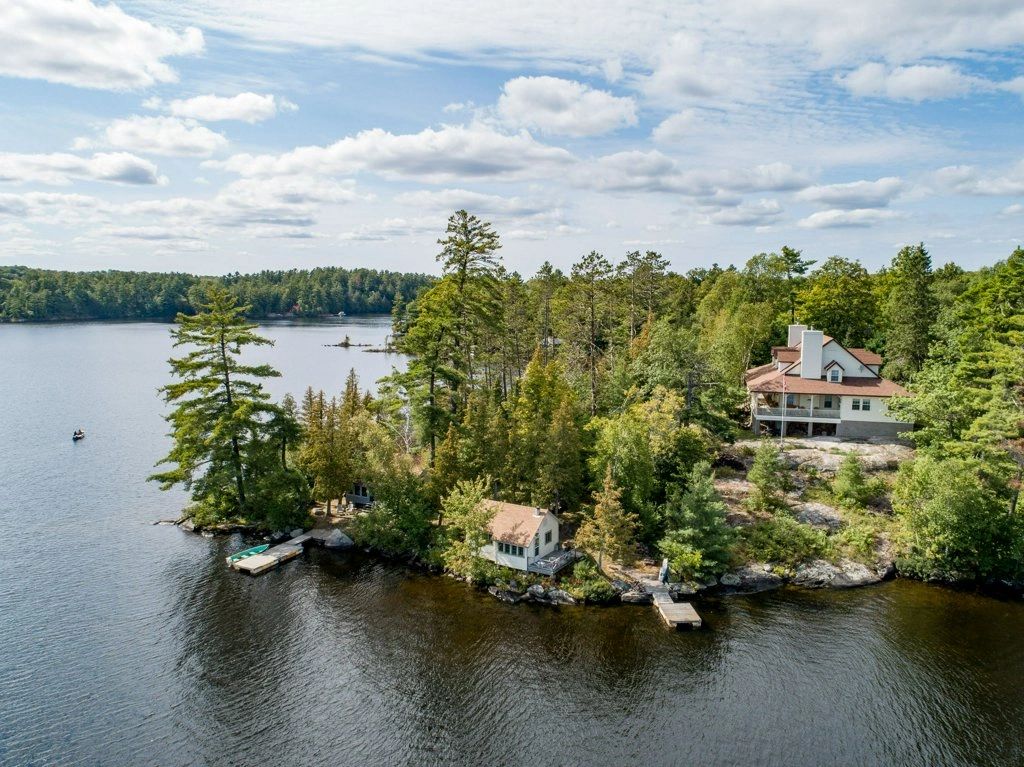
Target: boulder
296,532
752,579
685,589
536,591
278,535
505,595
820,574
819,515
560,597
188,525
636,597
338,540
621,586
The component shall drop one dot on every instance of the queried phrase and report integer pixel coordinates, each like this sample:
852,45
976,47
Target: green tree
958,520
910,311
838,298
222,420
850,486
769,477
610,529
467,528
560,462
698,542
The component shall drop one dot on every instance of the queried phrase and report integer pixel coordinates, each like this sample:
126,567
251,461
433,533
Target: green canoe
248,553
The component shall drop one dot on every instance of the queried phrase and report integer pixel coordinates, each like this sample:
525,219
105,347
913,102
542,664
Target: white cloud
475,202
914,83
61,168
855,194
394,228
859,217
159,135
1012,210
759,213
563,107
87,45
147,233
245,107
655,171
453,152
966,179
676,128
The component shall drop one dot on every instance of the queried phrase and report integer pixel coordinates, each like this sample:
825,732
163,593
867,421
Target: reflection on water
125,643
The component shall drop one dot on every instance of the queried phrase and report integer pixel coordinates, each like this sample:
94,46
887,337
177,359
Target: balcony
797,412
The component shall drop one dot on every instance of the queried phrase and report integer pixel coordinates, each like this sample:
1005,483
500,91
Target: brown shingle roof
866,357
865,387
513,523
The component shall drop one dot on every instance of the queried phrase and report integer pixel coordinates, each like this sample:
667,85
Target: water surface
122,643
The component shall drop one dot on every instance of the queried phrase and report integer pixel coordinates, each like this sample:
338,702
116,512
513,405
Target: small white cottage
521,536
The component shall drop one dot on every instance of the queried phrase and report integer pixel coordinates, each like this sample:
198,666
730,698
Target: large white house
524,538
815,386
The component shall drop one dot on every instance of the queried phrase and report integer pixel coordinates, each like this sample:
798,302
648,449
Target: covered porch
770,405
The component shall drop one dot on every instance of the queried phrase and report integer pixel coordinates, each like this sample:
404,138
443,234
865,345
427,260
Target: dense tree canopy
40,294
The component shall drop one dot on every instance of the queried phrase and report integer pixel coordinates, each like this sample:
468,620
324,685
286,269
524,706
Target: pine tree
699,538
769,477
222,419
560,463
610,529
910,311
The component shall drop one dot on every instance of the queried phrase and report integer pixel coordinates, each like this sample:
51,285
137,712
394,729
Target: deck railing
798,412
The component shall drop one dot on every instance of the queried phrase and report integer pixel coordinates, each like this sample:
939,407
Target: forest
613,394
40,294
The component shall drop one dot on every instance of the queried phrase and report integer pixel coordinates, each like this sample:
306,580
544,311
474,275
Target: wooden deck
676,614
272,557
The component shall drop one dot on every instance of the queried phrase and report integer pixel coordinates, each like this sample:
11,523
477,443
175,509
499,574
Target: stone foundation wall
865,429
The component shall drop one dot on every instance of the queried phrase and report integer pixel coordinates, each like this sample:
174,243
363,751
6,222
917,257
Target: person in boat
78,434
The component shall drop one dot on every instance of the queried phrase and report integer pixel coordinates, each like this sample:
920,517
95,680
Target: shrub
851,487
857,541
587,584
769,476
783,540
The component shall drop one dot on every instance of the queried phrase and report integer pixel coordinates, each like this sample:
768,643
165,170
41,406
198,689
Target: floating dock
272,557
676,614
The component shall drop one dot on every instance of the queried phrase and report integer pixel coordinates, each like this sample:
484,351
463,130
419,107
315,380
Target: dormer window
835,375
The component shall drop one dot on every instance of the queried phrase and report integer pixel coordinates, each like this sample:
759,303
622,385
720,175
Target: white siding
878,412
852,367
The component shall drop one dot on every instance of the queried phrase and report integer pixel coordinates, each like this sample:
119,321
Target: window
827,403
834,375
856,404
865,404
547,537
790,400
508,548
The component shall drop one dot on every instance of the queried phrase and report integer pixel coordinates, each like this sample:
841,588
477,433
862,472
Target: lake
124,643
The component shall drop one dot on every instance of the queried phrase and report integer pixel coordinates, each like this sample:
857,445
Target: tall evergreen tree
910,312
610,529
222,419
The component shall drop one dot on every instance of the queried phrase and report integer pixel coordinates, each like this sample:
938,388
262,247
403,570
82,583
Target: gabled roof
792,353
834,364
513,523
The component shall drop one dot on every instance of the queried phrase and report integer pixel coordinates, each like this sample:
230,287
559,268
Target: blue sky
227,135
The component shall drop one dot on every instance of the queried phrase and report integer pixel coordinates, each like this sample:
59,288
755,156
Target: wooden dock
676,614
272,557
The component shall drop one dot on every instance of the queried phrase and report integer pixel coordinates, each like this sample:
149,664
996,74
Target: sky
234,135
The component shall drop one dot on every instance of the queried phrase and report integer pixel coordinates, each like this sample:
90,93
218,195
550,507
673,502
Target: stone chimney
794,334
811,342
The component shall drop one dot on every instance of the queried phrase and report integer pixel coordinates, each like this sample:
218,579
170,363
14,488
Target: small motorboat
247,553
79,434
